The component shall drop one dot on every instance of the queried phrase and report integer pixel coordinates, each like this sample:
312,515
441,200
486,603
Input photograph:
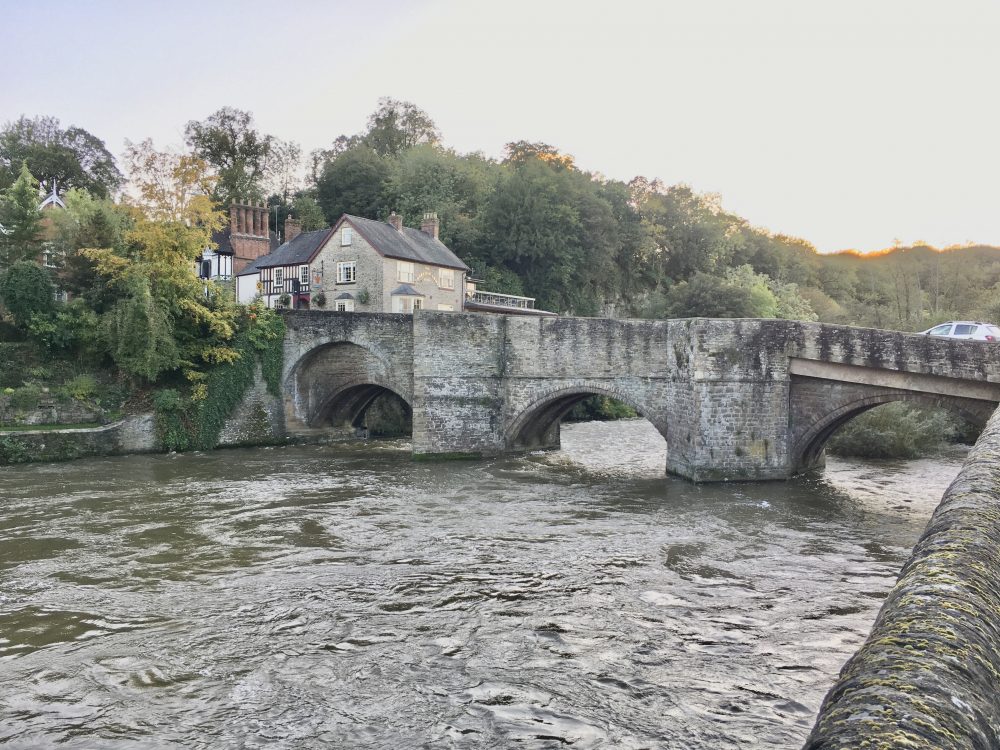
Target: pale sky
850,123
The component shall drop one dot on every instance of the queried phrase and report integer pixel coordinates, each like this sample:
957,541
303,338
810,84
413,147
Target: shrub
26,397
82,387
894,430
601,408
13,451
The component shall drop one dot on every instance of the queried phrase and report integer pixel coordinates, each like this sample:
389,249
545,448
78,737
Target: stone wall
928,677
258,419
49,410
135,434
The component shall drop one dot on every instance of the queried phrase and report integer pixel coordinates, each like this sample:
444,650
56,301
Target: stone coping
928,677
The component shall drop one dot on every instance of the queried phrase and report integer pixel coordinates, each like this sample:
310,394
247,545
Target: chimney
396,221
293,228
430,224
249,234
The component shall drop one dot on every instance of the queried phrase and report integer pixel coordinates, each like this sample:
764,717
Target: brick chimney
430,224
293,228
397,221
249,234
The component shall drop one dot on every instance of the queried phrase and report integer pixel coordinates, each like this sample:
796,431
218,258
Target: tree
519,152
457,188
21,220
354,183
396,126
284,168
70,158
707,296
173,219
26,290
307,210
139,333
228,141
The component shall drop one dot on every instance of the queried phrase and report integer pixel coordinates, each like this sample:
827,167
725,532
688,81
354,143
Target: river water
345,596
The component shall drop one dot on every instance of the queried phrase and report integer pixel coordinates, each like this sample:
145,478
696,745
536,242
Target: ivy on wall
194,421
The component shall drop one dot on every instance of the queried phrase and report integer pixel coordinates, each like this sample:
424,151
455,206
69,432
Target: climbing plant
195,421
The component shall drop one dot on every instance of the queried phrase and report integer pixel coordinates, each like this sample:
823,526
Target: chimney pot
397,221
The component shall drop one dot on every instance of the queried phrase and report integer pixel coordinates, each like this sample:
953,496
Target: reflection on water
344,596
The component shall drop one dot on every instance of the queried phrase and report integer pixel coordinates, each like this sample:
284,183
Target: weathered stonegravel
928,677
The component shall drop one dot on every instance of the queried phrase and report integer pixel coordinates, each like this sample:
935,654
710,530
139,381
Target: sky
854,124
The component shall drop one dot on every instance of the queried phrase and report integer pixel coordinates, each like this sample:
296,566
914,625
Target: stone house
246,239
360,265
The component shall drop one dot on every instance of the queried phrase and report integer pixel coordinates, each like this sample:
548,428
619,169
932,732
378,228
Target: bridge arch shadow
336,384
809,449
537,426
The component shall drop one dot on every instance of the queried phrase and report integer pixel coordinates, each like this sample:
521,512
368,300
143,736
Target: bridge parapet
928,677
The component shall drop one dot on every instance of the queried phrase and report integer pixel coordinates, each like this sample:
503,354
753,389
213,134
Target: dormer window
346,236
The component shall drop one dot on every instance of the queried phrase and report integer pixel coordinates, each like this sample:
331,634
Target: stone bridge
734,399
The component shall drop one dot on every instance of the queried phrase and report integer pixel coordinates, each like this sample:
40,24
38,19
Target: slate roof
344,295
405,290
297,252
408,244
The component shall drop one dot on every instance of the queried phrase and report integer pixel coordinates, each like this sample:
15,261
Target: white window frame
347,272
344,305
304,275
446,278
346,237
446,308
405,271
418,304
278,285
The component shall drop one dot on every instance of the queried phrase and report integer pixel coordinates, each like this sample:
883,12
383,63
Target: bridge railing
502,300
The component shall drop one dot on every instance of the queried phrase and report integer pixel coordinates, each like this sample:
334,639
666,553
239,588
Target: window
404,304
304,275
964,330
446,278
347,273
345,305
405,270
446,308
346,236
279,280
943,330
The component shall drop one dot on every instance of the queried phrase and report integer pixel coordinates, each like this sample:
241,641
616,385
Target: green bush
82,387
895,430
600,408
26,397
13,451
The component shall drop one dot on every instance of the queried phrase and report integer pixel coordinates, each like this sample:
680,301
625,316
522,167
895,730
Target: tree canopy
62,157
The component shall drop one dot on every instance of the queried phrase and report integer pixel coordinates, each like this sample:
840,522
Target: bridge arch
536,426
336,382
810,442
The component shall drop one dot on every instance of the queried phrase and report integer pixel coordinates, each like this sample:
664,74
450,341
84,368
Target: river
345,596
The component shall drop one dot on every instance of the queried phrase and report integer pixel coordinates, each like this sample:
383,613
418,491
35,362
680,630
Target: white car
966,329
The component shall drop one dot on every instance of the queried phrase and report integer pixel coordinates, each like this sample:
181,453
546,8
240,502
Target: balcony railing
503,300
